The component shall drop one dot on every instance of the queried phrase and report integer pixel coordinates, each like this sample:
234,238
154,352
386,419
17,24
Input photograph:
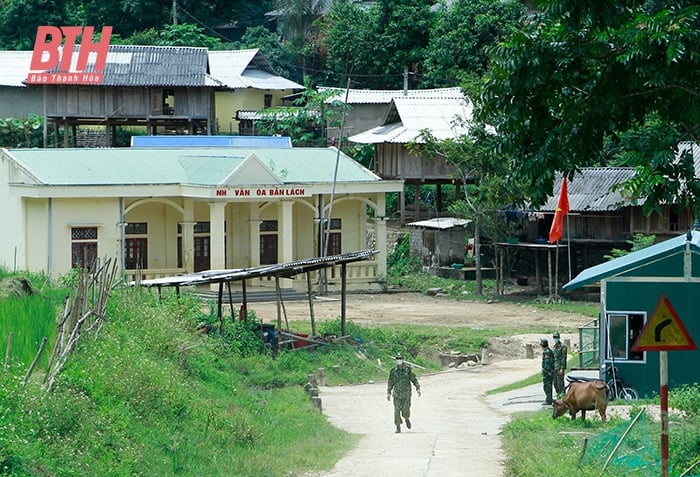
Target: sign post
663,332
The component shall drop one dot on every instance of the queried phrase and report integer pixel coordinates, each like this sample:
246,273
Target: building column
380,235
285,236
285,231
254,238
217,237
187,236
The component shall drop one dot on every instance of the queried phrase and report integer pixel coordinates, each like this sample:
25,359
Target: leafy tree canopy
459,36
19,19
579,79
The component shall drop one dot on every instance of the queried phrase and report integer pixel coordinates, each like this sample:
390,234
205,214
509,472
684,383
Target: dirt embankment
414,308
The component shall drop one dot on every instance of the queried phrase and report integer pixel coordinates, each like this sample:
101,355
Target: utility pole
174,12
405,81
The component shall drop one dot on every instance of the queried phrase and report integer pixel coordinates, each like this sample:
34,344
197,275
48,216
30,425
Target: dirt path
455,425
455,428
387,308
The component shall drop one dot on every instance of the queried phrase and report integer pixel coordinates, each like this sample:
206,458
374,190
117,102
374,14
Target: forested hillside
377,44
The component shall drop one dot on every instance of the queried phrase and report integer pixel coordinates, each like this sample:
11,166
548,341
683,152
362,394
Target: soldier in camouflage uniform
547,371
560,352
400,378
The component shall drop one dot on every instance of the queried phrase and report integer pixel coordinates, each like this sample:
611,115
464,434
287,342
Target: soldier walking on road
560,352
400,378
547,371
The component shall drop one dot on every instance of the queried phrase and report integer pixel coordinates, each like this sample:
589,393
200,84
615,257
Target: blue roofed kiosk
631,288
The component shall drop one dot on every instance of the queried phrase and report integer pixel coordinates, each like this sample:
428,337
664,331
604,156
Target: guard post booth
658,285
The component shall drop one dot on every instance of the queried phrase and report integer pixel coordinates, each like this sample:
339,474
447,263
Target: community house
163,211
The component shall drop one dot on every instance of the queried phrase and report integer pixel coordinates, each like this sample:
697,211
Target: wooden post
230,301
538,271
219,306
321,376
529,353
311,303
663,395
279,303
36,360
343,299
549,270
243,314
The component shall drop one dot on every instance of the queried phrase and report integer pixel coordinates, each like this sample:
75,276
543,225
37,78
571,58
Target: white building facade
165,211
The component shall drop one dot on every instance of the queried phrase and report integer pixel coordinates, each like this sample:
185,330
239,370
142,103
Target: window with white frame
622,330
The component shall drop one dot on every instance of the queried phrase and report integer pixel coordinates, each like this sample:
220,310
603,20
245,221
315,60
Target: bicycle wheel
628,394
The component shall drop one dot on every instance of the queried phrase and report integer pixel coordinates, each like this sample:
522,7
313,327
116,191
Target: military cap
555,335
544,342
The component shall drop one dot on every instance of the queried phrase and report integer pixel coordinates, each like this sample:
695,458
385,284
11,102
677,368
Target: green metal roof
664,259
195,166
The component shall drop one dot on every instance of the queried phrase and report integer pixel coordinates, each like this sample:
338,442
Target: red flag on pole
557,230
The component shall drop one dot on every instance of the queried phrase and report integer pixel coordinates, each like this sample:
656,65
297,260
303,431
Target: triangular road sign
664,331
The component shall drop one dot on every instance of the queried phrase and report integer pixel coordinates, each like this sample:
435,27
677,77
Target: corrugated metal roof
406,117
288,269
193,166
132,65
441,223
279,114
211,141
635,260
263,80
15,66
240,69
590,190
373,96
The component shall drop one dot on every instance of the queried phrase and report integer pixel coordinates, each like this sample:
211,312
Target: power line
344,76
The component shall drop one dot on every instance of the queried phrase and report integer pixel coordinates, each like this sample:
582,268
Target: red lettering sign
53,63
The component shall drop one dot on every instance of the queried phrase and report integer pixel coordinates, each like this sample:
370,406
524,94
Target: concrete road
455,428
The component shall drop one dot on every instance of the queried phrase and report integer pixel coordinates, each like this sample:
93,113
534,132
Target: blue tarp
212,141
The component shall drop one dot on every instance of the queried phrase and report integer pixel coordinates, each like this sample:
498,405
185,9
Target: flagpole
557,231
568,244
556,270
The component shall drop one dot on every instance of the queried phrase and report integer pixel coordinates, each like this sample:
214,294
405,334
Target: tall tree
270,46
349,40
19,20
296,19
460,35
403,31
581,75
480,170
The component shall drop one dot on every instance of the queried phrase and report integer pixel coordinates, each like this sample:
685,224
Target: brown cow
582,396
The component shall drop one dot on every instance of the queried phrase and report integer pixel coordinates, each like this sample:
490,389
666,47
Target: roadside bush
686,397
244,338
399,260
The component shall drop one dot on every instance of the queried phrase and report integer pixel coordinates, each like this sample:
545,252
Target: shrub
399,260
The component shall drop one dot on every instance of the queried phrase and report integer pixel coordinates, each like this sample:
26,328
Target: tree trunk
477,254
